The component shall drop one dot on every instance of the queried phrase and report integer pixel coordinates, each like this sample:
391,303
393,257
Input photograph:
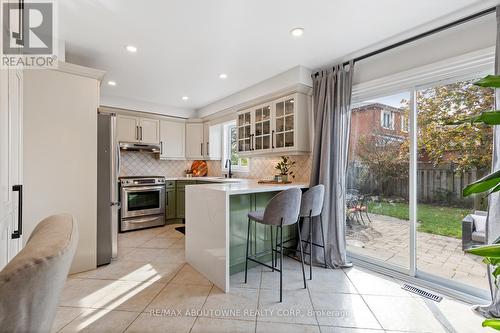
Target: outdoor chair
474,229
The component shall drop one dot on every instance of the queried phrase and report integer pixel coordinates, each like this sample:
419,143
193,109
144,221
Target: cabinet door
127,128
170,206
181,203
214,143
262,129
206,141
11,102
245,131
172,140
284,124
194,141
149,130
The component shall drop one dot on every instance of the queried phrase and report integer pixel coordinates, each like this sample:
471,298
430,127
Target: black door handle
17,233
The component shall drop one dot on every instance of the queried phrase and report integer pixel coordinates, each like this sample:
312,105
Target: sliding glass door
377,181
407,168
450,157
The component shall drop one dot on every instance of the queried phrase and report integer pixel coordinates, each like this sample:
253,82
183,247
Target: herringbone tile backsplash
145,164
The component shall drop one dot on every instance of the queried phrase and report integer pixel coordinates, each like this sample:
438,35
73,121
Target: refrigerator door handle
118,160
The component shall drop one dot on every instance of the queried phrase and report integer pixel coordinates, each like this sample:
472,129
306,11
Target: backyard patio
386,238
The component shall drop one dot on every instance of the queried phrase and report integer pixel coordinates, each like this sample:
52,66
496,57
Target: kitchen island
216,226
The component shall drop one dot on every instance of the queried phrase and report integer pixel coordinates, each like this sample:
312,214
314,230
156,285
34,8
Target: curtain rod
423,35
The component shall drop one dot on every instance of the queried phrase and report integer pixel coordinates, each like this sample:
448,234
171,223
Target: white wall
60,154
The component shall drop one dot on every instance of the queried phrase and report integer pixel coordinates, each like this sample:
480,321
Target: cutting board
273,182
199,168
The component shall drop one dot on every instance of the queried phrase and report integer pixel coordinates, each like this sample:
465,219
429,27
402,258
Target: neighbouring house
378,119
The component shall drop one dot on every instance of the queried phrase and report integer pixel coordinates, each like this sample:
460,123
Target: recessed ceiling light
112,83
297,32
185,98
131,48
222,76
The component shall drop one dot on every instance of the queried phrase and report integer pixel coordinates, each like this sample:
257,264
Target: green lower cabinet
240,205
181,197
170,207
181,203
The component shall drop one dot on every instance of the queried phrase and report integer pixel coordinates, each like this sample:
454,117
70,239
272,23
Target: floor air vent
421,292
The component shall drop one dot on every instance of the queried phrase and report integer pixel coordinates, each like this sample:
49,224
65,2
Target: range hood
147,148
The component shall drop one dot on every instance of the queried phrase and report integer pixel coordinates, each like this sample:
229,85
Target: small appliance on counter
142,202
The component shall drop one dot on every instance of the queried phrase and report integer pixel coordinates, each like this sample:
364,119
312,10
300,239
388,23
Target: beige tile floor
150,288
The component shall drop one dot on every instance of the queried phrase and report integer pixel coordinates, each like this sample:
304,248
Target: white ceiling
184,45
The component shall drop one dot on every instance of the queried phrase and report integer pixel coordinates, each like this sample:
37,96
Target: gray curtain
493,222
332,119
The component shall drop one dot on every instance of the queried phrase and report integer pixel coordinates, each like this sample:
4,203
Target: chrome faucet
228,167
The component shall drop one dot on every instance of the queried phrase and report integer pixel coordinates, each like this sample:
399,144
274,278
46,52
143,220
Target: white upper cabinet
149,130
137,129
213,141
279,126
172,140
127,128
195,146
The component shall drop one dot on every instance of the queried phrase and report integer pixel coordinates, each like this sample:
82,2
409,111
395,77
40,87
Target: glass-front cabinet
262,136
281,125
245,131
284,119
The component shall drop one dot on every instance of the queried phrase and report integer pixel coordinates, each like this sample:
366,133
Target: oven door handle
143,188
144,220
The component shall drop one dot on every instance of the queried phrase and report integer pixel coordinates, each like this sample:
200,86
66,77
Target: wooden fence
435,184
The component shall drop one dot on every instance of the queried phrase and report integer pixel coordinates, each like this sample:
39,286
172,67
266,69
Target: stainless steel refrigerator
108,170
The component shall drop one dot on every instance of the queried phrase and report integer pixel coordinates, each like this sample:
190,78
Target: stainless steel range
142,202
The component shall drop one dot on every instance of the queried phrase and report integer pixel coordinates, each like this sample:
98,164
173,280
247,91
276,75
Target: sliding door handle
17,233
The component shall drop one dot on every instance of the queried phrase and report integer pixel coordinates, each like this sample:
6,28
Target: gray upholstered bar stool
311,207
282,210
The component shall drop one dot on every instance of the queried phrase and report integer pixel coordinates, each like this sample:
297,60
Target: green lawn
438,220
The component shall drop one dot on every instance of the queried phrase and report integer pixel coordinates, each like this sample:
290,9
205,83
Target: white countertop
245,186
209,179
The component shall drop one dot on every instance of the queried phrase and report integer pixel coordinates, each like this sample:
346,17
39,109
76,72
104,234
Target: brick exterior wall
366,121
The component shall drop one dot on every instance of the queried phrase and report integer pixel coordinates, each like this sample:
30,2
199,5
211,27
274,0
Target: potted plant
285,168
489,184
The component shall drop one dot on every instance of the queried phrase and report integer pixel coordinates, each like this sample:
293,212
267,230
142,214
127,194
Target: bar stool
282,210
312,206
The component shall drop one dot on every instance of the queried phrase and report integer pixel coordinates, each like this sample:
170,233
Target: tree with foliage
466,145
386,158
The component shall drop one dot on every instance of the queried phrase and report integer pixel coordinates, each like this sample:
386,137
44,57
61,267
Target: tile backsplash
263,167
145,164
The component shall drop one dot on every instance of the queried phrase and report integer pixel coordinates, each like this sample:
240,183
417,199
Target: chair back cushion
312,201
32,282
479,223
284,205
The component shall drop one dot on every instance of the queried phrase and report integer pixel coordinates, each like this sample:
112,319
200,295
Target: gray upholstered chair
282,210
311,207
32,282
474,229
